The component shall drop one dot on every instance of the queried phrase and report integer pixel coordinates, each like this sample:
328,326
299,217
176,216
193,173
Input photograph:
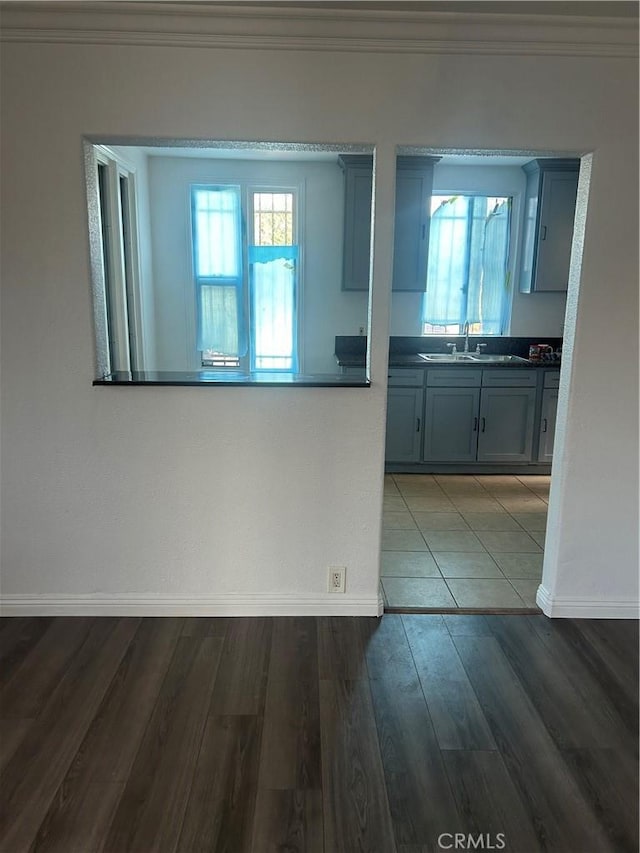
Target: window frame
247,189
242,361
118,279
296,192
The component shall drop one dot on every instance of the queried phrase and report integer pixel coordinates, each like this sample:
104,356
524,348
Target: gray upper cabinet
358,181
550,203
414,182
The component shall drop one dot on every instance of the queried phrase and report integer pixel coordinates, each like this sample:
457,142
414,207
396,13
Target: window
246,287
467,276
218,263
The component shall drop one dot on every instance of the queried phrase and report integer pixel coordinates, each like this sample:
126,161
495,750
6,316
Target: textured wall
206,491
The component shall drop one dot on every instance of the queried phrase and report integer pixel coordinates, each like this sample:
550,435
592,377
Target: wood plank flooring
318,735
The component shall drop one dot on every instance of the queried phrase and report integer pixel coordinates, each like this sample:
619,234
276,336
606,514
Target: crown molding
255,27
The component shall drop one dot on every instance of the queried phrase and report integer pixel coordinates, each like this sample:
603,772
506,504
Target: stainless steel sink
446,356
484,358
499,359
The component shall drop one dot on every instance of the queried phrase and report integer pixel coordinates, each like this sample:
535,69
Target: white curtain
273,307
467,270
217,227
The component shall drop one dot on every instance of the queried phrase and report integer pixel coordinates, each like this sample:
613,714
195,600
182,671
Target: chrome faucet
465,332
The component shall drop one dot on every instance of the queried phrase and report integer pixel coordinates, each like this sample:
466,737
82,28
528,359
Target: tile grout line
492,555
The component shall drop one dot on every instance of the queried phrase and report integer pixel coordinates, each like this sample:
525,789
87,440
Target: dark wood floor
340,735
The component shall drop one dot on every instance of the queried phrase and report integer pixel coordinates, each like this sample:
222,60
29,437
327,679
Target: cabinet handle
417,424
544,425
424,231
543,233
483,422
475,425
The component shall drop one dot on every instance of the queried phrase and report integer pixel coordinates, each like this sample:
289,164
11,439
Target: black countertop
235,378
350,351
415,361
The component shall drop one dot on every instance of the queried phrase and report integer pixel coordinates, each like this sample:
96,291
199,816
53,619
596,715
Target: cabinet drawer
399,376
552,379
454,378
509,378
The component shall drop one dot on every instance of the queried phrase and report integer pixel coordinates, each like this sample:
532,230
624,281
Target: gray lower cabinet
451,424
404,424
476,415
506,424
473,425
469,416
547,424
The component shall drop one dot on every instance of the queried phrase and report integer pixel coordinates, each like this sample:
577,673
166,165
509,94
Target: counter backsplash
356,345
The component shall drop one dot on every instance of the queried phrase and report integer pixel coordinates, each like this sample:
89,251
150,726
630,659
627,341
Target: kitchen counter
350,351
398,360
236,378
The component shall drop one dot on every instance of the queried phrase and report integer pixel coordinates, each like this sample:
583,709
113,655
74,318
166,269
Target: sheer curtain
468,259
220,327
490,305
217,229
273,307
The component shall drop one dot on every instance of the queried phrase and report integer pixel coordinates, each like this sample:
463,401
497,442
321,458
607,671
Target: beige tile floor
464,541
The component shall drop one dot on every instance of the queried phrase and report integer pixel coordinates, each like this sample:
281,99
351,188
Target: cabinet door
506,424
404,424
547,425
414,181
451,424
555,230
357,227
411,242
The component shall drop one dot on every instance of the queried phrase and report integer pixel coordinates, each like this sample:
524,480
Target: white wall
327,311
531,313
246,495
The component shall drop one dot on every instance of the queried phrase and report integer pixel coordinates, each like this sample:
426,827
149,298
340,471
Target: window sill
267,379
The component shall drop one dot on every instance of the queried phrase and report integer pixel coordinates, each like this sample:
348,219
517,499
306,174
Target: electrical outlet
337,578
362,330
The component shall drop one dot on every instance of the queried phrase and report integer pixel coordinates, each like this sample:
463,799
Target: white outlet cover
339,573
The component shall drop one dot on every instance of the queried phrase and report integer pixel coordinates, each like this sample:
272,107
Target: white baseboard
230,604
269,604
567,607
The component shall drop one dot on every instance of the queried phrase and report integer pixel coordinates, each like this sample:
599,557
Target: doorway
463,541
